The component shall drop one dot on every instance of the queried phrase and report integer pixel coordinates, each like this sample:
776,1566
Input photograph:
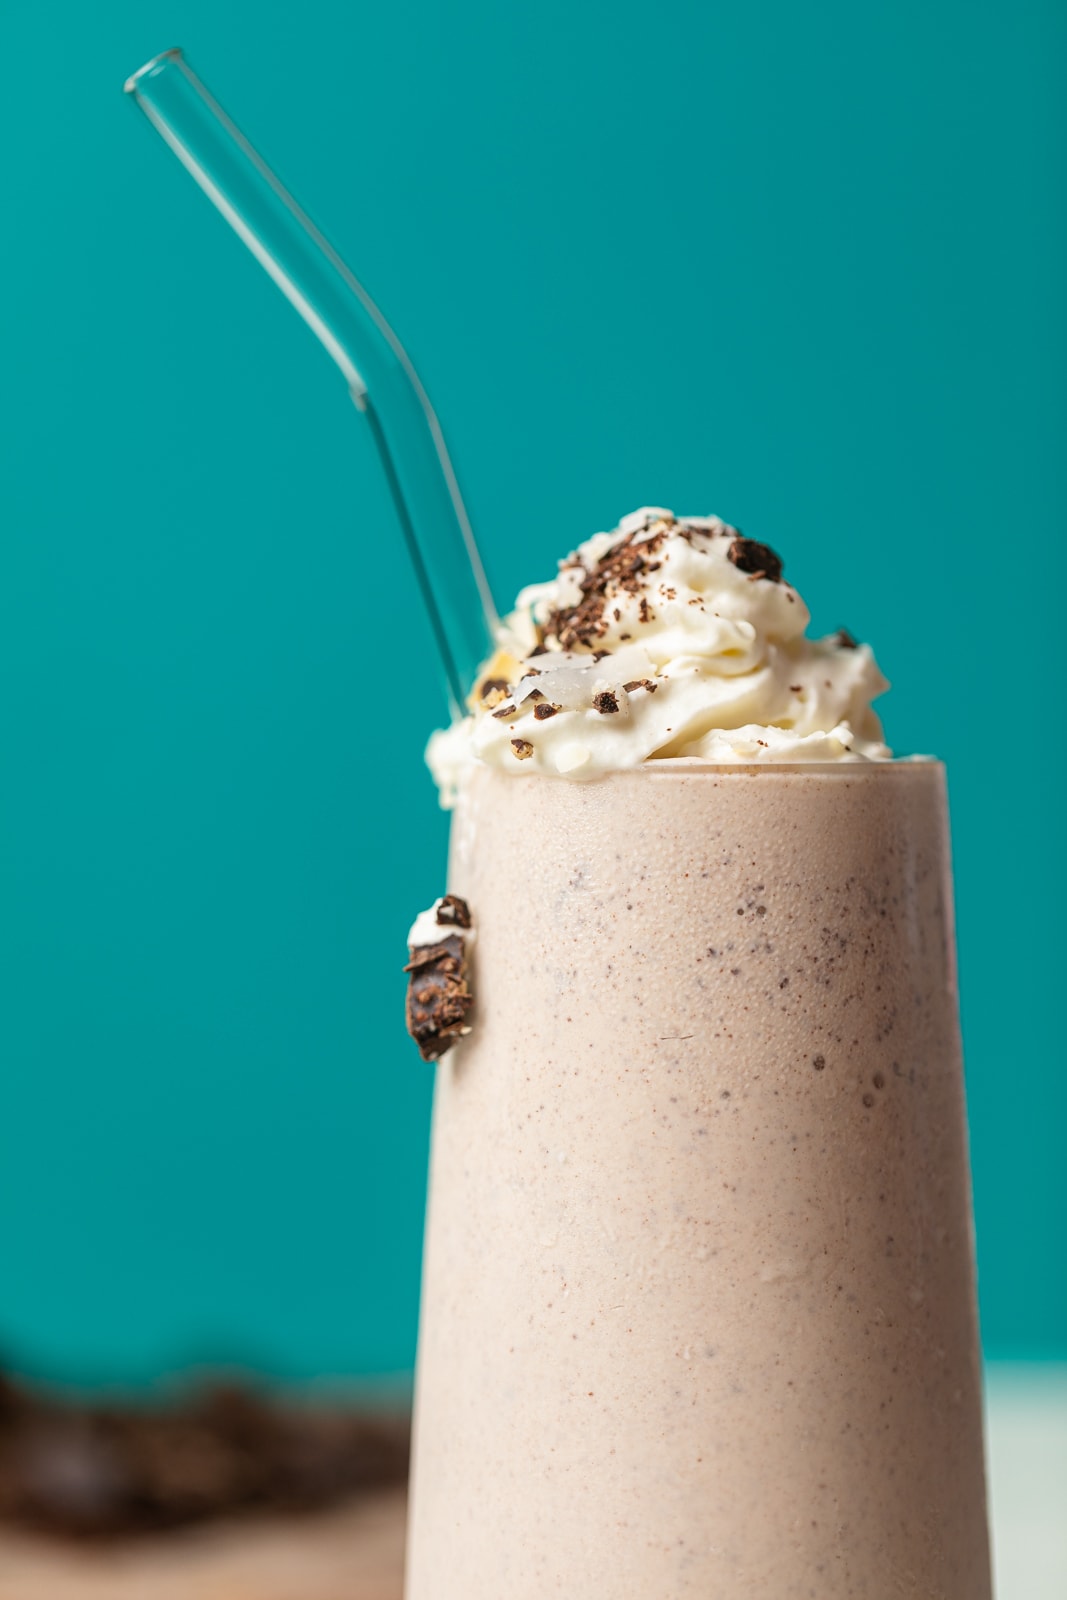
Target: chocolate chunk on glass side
439,997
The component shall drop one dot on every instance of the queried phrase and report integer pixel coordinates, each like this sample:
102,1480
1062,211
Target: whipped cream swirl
668,637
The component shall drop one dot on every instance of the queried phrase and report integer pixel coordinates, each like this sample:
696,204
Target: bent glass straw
338,310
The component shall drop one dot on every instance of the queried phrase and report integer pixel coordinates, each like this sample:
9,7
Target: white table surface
1026,1445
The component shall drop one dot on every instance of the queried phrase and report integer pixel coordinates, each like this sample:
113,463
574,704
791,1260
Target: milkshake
698,1308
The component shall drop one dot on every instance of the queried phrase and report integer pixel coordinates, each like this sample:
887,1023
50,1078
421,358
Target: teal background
800,265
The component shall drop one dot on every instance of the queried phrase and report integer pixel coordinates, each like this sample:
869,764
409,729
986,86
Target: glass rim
759,768
693,766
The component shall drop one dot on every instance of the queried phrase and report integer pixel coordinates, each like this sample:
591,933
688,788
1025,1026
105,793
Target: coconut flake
570,680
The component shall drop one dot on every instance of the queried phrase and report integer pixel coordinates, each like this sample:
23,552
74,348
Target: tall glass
698,1308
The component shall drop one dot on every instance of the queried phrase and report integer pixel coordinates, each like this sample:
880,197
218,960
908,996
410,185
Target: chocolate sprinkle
758,560
439,997
605,702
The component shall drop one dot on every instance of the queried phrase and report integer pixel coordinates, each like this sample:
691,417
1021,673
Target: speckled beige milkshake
698,1311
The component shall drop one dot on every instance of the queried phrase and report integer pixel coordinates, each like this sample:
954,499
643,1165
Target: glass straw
379,374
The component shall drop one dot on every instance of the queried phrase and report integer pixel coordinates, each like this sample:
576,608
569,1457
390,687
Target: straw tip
130,86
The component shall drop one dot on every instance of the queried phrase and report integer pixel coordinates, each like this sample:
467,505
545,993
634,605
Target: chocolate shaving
544,711
505,711
621,571
843,640
640,683
439,998
605,702
758,560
